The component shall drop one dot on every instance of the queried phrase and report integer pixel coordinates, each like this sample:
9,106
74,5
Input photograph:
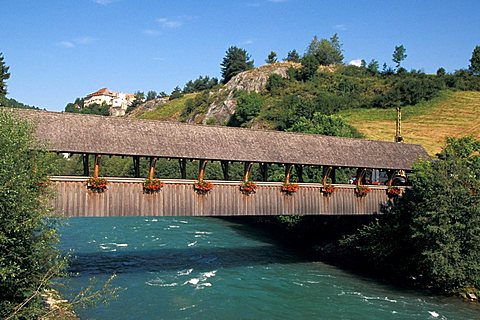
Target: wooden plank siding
125,197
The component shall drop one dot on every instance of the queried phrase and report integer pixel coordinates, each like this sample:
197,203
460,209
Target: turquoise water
205,268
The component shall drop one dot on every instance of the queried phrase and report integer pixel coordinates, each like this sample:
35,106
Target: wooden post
86,169
136,166
264,171
96,168
360,175
333,175
225,169
288,172
151,171
183,168
326,174
390,175
246,169
201,171
299,171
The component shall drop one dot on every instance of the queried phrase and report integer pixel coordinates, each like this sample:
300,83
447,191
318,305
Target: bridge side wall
125,197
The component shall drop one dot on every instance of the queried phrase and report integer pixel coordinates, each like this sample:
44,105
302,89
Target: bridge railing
125,197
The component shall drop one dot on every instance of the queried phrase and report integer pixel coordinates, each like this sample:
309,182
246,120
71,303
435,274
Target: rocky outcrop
254,80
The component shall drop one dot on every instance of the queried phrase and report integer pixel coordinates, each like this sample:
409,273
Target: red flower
202,187
328,189
361,191
152,186
248,187
96,184
289,188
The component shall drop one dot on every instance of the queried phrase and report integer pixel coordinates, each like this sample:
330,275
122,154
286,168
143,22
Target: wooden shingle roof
75,133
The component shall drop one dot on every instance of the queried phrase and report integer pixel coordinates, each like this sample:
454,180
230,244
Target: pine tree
4,75
271,58
399,55
292,56
475,61
236,60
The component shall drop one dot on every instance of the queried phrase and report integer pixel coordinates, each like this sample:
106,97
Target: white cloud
151,32
66,44
340,27
84,40
103,2
356,62
167,23
246,42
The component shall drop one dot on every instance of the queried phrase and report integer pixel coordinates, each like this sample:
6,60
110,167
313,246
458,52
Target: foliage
4,75
328,189
275,83
399,54
94,108
200,84
28,256
236,60
433,231
309,67
325,125
248,187
152,186
248,107
202,187
97,184
151,95
373,66
325,51
292,56
12,103
176,93
289,188
393,192
474,61
196,105
272,57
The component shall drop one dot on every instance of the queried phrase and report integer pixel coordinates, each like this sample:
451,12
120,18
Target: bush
248,107
433,231
28,258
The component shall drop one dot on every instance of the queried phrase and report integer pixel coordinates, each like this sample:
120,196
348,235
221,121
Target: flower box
202,187
152,186
393,192
328,189
289,188
248,188
361,191
97,185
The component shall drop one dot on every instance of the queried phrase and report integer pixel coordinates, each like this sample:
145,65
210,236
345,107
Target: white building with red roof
118,101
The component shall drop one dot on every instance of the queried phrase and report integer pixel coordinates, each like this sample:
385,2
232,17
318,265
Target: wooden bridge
96,136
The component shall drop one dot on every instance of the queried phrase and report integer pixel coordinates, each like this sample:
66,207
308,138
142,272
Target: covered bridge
97,136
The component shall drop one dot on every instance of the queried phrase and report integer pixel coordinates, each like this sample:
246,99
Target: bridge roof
75,133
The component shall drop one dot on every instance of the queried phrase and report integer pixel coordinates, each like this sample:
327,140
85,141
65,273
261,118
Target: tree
176,93
373,66
399,54
432,232
236,60
151,95
28,255
292,56
4,75
271,58
475,61
309,67
441,72
325,125
248,107
326,51
200,84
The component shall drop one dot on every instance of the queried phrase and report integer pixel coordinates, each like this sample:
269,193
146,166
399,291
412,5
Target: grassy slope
453,114
170,111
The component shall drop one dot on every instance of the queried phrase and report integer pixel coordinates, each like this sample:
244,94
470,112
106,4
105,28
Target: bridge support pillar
247,169
360,175
86,169
225,169
299,171
151,171
326,174
136,166
264,171
288,173
183,168
96,168
201,171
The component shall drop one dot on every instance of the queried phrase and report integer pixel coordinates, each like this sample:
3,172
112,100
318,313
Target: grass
452,114
169,111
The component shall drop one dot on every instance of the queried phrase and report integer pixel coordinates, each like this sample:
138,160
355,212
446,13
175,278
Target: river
206,268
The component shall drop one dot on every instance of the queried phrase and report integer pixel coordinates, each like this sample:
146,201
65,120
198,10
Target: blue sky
60,50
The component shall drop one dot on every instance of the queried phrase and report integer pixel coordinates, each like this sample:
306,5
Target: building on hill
118,101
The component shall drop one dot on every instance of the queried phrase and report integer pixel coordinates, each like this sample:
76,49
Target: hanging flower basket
152,186
98,185
202,187
289,188
249,187
361,191
393,192
328,189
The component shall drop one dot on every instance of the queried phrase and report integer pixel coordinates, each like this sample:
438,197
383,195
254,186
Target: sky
64,49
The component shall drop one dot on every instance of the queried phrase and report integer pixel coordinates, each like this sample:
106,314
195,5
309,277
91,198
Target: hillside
453,114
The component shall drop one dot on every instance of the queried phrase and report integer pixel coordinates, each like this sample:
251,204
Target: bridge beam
264,171
247,169
183,168
225,165
96,167
136,166
299,171
151,171
201,171
288,173
86,169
